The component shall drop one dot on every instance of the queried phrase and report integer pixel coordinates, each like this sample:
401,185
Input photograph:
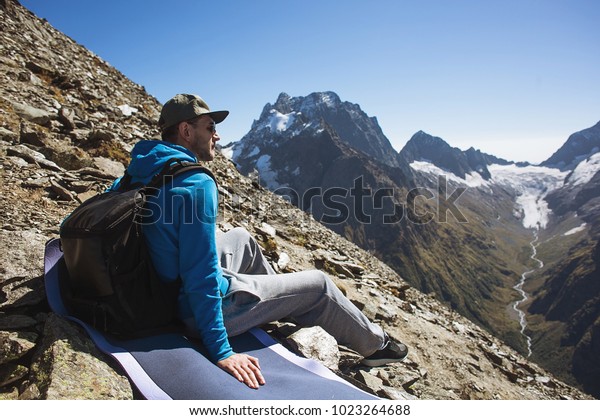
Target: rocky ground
67,121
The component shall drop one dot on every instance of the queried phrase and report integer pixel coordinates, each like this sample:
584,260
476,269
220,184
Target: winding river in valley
519,288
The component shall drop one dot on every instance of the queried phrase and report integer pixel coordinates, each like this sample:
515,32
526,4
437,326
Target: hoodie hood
148,157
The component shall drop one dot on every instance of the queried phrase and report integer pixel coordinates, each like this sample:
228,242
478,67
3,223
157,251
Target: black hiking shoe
392,352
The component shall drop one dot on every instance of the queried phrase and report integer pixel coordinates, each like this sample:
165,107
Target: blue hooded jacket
181,237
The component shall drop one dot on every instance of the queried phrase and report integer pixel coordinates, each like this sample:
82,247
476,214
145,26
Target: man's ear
184,131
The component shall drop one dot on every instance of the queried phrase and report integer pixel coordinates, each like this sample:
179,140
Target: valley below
516,306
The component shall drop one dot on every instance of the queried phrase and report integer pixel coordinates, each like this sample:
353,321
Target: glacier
531,184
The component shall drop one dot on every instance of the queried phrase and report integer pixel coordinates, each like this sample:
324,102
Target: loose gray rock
68,366
25,260
109,168
315,343
14,345
7,135
35,115
32,156
66,117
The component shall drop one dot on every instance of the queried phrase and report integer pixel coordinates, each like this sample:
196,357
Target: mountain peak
425,147
283,101
307,115
578,147
423,138
428,148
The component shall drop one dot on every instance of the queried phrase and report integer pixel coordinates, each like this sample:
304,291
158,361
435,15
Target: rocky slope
67,120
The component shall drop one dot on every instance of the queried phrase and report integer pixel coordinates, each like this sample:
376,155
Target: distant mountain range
454,223
427,148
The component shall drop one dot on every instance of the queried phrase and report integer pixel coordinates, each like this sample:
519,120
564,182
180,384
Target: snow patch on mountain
575,230
267,175
472,179
330,99
255,151
280,122
585,170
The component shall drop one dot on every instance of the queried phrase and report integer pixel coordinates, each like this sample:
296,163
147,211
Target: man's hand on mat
244,368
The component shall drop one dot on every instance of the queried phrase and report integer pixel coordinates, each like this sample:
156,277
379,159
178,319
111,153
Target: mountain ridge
293,114
578,147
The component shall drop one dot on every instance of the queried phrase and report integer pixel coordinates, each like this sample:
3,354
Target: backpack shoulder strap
175,167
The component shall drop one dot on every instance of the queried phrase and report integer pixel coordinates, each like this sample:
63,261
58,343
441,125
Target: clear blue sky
511,77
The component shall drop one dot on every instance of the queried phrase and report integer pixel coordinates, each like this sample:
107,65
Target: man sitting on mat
228,287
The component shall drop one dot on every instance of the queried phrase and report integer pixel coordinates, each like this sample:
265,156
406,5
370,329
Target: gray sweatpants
257,295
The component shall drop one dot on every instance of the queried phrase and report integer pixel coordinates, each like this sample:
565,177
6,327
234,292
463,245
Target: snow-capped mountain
463,225
423,147
289,118
581,186
578,147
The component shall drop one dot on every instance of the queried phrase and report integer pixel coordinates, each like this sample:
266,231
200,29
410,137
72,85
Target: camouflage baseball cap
185,106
